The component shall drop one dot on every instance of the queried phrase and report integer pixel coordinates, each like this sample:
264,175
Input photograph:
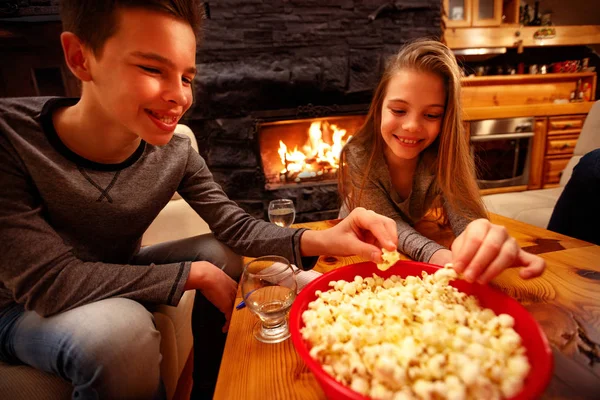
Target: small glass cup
282,212
269,288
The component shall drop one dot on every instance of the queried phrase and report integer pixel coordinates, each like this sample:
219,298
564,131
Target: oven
502,151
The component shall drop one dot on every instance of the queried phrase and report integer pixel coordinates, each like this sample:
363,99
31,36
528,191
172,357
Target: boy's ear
76,56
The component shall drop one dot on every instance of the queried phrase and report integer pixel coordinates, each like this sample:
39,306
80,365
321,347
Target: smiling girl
412,156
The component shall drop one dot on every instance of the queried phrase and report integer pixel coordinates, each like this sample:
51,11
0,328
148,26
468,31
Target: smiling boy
81,181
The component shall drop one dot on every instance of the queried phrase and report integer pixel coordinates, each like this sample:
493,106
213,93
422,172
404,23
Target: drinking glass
282,212
269,289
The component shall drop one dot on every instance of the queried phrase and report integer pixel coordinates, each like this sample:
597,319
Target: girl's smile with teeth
406,140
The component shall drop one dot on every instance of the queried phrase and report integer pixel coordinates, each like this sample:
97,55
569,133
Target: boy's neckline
48,126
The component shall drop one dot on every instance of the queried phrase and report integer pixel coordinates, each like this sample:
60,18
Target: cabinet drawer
553,169
562,125
561,146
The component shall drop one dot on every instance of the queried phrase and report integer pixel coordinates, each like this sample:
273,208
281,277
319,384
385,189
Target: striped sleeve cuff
178,286
301,262
417,246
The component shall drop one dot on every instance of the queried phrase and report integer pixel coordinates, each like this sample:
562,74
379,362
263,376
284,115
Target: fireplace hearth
268,65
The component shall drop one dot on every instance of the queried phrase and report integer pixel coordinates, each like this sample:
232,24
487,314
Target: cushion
532,206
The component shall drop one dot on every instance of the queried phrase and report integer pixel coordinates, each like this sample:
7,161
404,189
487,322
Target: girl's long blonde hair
448,157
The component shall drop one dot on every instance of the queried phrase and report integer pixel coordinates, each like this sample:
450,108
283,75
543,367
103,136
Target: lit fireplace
300,151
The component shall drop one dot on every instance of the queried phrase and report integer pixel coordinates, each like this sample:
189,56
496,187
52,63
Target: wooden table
565,301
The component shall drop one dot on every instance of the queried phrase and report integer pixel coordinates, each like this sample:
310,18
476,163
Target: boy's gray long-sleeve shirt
69,226
380,196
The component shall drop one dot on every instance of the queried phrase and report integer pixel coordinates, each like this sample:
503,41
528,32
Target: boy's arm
230,224
254,237
41,272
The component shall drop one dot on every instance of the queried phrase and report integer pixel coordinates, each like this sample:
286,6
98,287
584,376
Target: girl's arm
410,242
458,223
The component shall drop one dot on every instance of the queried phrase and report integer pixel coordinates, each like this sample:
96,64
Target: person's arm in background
576,213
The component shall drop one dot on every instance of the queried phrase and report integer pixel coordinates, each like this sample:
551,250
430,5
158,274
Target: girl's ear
76,56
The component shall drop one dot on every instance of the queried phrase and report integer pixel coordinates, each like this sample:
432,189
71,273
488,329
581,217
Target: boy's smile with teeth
167,119
142,81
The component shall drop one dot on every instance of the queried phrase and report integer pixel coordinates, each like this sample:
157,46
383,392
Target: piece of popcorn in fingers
389,258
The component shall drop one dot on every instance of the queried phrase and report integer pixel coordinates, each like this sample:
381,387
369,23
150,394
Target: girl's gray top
380,196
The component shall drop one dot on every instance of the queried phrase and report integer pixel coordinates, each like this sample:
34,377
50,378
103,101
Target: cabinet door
487,12
458,13
553,169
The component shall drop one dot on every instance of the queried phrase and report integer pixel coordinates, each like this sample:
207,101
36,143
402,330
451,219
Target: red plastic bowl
534,339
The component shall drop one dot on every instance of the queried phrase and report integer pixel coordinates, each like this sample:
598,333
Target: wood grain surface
565,301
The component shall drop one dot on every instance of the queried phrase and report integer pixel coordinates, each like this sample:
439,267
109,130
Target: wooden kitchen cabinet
471,24
480,13
487,13
457,13
561,138
557,124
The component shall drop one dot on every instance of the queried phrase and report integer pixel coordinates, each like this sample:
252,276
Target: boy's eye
149,69
186,80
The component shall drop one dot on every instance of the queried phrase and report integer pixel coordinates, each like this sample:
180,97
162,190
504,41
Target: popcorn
414,338
389,258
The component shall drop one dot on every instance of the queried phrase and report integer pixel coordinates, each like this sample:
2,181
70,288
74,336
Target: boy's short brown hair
94,21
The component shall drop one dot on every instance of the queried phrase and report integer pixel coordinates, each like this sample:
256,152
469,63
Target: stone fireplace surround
264,61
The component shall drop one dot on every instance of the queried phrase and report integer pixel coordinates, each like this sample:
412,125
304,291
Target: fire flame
316,155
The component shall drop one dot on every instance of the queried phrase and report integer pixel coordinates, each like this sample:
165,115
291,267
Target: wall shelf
527,110
525,78
509,36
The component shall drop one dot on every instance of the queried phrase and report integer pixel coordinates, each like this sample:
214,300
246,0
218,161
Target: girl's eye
149,69
400,112
433,116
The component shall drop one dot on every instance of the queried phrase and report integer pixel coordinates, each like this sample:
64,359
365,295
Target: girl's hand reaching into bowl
484,250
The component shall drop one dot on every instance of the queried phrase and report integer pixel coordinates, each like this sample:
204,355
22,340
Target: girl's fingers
467,244
506,258
532,265
488,251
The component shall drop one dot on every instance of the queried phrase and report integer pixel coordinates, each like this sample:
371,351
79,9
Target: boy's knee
235,267
212,250
118,355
